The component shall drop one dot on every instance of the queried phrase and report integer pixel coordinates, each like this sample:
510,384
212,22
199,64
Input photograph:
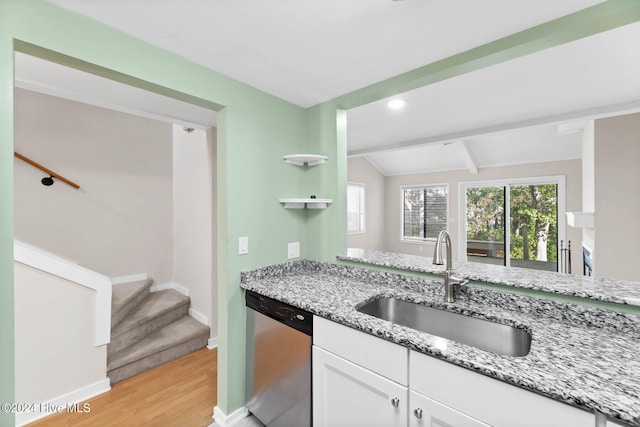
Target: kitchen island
585,357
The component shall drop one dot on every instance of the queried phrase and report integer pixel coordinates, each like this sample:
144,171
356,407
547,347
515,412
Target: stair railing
47,180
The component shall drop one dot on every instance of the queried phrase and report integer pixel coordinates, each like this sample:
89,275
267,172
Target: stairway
149,329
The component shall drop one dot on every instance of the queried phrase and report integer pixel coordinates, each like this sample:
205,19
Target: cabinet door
425,412
345,394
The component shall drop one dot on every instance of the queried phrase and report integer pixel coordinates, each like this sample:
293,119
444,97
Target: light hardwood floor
181,393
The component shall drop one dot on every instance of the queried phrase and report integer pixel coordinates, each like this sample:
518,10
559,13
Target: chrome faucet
449,278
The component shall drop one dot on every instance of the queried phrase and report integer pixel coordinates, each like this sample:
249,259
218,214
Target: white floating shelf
581,219
308,203
301,159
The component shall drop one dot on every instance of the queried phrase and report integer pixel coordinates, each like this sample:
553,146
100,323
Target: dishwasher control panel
292,316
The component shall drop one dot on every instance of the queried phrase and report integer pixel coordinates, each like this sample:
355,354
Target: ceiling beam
69,61
588,113
462,151
602,17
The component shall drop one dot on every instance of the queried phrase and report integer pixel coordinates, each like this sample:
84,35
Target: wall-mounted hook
47,180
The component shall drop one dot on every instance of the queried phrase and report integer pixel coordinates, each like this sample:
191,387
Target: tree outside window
534,222
529,211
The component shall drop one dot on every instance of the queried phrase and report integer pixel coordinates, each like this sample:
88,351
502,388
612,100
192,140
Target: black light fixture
47,180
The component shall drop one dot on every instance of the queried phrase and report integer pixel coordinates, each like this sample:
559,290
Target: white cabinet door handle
395,402
418,413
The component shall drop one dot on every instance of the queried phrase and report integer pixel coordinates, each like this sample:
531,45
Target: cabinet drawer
489,400
380,356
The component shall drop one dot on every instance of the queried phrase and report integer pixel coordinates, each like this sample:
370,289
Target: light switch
243,245
293,250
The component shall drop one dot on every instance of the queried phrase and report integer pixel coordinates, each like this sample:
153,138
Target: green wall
255,130
327,134
6,225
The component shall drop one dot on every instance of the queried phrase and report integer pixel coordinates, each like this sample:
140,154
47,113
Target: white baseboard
212,343
223,420
199,316
63,403
184,291
169,285
127,279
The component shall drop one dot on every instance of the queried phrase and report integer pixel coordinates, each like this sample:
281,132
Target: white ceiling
308,52
521,146
591,77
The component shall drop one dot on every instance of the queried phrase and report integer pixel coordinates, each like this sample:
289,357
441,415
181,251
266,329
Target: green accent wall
6,225
255,130
327,229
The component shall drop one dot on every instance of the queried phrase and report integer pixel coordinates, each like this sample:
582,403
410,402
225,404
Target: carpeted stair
149,329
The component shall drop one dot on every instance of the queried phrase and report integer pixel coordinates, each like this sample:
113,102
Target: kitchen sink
483,334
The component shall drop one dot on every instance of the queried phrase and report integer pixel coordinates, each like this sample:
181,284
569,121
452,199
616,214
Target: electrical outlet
243,245
293,250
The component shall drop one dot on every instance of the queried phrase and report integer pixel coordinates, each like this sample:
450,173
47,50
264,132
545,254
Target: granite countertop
618,291
583,356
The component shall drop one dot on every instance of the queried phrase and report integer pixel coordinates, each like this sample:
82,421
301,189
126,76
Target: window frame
363,206
421,240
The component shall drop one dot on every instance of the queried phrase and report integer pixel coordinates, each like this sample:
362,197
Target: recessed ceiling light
396,104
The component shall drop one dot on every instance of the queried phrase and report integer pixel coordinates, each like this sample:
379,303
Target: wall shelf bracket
309,159
308,203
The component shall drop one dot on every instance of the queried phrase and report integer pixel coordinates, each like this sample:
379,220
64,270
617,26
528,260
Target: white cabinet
345,394
425,412
613,424
494,402
362,380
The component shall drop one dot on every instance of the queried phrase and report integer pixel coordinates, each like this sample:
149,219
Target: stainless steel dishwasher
278,367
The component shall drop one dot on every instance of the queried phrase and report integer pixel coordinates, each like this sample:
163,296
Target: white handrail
52,264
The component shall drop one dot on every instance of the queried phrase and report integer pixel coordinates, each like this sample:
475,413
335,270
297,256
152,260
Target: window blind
355,208
424,211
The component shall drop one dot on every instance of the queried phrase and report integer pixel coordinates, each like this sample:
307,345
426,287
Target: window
355,208
515,223
424,211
